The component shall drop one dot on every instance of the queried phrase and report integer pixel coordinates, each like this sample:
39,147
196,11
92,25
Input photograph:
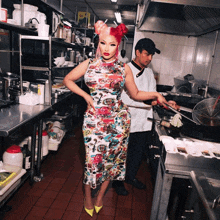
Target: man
140,126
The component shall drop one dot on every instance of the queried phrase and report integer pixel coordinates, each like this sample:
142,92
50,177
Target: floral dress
105,129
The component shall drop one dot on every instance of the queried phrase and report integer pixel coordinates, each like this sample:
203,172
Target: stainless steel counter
17,115
180,166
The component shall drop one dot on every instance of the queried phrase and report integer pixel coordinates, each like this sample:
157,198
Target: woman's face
108,46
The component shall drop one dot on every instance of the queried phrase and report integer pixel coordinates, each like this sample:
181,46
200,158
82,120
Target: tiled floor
60,193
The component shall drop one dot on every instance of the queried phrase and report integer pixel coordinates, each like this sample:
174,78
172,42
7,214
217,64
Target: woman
106,120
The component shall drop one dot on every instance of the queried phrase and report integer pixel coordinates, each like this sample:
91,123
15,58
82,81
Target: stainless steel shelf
28,37
17,28
37,68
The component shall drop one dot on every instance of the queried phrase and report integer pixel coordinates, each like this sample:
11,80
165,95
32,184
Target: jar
68,34
59,32
13,156
64,32
3,15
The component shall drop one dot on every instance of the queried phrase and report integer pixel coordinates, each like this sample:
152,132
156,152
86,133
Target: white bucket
43,30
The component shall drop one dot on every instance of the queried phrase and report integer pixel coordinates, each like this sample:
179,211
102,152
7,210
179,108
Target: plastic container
30,11
41,93
68,33
13,156
3,15
45,143
43,30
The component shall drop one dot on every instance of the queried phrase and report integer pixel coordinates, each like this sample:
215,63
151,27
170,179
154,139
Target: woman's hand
89,101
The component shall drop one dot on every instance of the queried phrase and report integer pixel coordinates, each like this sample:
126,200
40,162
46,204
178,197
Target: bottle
45,144
26,157
47,93
73,37
40,93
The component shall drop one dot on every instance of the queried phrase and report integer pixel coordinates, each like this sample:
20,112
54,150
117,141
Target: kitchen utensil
142,107
216,102
207,112
185,109
174,110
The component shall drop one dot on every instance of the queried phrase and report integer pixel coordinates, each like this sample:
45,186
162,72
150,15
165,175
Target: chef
140,131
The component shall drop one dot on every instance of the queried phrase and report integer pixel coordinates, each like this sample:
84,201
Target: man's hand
174,105
154,102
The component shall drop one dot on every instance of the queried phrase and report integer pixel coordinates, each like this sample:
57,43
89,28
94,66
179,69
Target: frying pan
205,112
207,115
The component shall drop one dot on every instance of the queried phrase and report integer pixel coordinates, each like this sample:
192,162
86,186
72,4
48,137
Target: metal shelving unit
36,68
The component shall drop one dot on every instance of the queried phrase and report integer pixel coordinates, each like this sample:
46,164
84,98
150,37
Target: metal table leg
33,144
157,192
165,195
39,176
161,193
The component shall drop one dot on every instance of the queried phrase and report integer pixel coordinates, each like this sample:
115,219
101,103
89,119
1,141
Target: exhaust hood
180,17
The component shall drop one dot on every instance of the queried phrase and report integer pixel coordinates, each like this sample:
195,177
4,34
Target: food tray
12,181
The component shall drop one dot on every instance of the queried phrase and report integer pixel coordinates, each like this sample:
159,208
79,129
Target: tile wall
181,55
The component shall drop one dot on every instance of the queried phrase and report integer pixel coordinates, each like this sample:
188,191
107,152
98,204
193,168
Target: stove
180,150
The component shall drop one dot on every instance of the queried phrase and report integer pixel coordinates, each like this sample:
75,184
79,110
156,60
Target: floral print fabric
105,129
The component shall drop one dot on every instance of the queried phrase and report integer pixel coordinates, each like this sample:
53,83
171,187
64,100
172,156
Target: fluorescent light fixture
118,16
113,0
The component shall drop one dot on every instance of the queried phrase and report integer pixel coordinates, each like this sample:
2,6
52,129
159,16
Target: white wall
203,64
181,55
176,57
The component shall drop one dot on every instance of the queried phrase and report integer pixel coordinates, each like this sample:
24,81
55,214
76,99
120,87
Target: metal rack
36,68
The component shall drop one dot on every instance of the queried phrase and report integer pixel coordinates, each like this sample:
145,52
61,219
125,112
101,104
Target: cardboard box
83,18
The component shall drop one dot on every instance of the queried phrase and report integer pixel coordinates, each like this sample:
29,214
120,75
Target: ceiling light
113,0
118,16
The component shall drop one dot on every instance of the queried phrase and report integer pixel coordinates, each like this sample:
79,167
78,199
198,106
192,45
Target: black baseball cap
148,45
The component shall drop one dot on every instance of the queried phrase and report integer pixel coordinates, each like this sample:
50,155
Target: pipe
61,5
210,69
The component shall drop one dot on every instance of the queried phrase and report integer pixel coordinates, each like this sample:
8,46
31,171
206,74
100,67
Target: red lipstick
106,54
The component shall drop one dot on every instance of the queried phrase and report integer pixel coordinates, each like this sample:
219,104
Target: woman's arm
135,93
74,75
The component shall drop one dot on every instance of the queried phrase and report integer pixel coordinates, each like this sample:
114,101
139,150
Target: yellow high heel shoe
89,211
97,209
